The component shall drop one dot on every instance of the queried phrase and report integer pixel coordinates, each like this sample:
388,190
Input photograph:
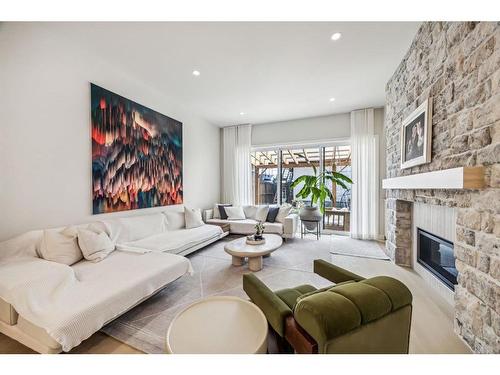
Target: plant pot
310,216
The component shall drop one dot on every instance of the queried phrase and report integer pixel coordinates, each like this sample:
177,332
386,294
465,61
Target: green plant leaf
298,181
341,176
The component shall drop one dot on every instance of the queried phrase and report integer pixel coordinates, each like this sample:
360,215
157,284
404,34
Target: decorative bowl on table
255,240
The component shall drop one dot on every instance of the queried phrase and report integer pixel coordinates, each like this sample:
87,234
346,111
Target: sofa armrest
334,273
275,310
207,215
290,225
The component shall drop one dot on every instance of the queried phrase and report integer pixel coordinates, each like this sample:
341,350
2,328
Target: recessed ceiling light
332,99
196,73
242,113
336,36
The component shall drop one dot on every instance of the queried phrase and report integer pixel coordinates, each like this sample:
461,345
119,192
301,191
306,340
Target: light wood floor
432,324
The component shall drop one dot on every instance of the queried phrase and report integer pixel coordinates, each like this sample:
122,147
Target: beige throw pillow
250,211
283,212
95,246
175,220
261,213
193,218
235,213
60,246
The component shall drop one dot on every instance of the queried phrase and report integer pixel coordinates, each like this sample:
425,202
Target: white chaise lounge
52,307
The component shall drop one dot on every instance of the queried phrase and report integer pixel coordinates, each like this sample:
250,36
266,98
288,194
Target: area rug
145,326
357,248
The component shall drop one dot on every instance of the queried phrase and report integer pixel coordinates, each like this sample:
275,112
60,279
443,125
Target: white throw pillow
216,213
193,218
283,212
139,227
235,213
95,246
261,213
175,220
250,211
60,246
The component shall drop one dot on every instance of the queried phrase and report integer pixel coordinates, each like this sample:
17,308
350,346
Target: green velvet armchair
356,315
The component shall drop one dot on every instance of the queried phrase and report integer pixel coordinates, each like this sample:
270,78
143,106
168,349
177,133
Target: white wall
45,146
313,129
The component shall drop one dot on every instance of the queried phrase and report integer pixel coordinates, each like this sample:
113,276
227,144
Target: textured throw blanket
71,303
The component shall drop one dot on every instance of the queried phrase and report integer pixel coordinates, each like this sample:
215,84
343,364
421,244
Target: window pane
338,159
297,162
265,176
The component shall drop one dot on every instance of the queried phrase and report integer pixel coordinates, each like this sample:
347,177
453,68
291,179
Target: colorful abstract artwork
136,155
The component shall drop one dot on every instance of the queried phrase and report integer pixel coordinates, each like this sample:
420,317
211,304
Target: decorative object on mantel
416,136
454,178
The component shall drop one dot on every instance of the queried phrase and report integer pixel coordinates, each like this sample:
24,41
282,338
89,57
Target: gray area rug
357,248
145,326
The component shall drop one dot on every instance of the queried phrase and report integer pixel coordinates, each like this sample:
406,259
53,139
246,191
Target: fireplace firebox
436,254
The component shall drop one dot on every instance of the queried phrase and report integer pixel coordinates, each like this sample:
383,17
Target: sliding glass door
274,169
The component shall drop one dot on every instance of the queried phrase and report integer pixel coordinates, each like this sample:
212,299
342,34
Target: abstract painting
136,155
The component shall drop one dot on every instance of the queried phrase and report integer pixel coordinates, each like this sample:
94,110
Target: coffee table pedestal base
238,261
255,264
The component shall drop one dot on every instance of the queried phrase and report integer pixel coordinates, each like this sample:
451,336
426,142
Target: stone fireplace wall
458,64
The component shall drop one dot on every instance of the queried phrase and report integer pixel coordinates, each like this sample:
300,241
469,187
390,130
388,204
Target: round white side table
218,325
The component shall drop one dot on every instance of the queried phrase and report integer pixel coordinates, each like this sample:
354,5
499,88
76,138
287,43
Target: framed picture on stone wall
416,136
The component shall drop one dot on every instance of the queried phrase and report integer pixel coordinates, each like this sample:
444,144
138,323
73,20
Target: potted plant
259,231
314,186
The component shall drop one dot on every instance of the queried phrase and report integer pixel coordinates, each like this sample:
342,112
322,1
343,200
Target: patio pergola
336,158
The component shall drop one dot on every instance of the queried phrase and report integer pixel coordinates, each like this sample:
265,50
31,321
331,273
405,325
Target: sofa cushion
24,245
137,227
222,210
261,213
235,213
271,214
175,220
176,241
283,212
95,246
371,302
250,211
61,246
397,292
193,218
291,295
276,228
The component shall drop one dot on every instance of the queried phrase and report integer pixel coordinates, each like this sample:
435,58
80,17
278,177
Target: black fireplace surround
436,254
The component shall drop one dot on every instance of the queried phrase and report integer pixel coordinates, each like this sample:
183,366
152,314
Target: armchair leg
299,339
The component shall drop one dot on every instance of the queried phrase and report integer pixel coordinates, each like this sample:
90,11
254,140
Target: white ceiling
271,71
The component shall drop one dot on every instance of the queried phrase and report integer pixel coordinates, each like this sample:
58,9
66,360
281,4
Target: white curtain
236,168
365,176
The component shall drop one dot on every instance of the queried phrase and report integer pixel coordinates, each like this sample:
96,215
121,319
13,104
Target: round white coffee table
239,250
218,325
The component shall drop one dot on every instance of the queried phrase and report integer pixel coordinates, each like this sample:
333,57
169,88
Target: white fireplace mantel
454,178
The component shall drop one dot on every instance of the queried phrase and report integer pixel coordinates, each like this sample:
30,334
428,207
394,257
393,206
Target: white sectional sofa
52,307
287,227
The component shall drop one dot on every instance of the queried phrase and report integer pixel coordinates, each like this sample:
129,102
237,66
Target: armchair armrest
207,215
275,310
333,273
